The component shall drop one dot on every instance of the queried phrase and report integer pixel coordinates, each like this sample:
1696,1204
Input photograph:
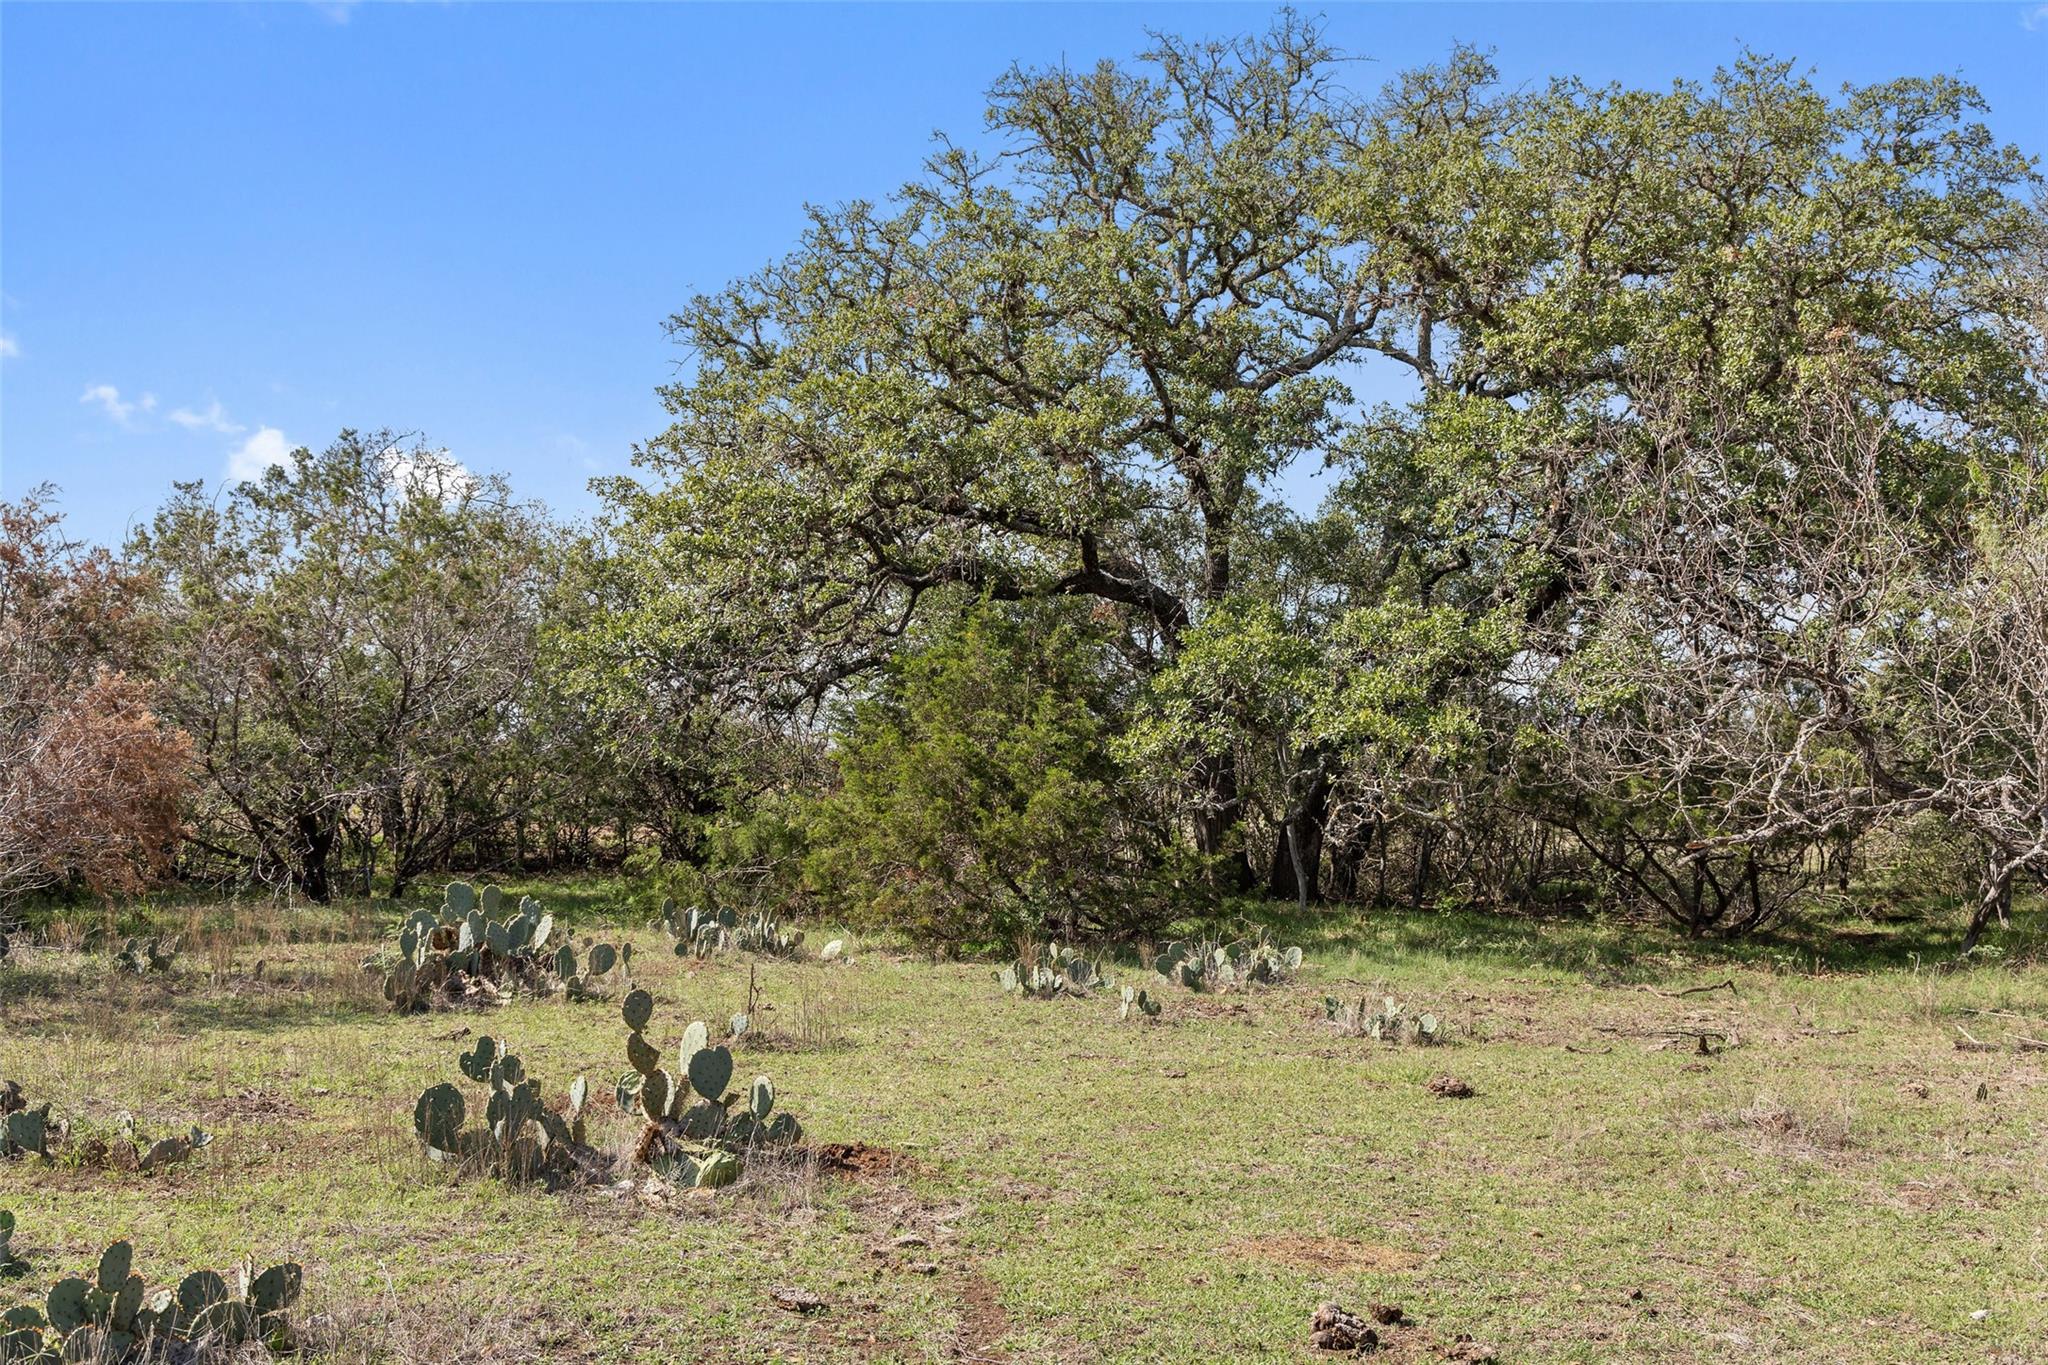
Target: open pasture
1800,1164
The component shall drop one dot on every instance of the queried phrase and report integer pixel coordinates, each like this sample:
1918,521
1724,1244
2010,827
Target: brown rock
796,1300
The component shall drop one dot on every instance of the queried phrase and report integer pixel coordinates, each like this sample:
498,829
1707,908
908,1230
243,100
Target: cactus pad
638,1008
710,1071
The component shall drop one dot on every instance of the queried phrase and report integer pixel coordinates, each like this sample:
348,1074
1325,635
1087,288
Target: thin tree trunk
1427,841
316,840
1994,898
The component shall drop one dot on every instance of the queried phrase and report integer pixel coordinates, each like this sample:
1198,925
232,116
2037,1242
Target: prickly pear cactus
143,956
693,1134
24,1131
704,930
521,1138
113,1318
468,954
10,1264
1137,1004
1052,972
1208,965
763,935
1390,1023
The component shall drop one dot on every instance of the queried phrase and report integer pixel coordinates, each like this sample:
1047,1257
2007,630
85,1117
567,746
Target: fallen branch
1728,985
1969,1042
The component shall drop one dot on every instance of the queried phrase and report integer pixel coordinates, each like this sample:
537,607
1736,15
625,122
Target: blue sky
229,228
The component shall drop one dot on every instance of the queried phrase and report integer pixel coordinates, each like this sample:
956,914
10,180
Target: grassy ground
1838,1182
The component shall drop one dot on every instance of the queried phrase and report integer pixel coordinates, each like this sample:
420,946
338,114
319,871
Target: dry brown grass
1804,1128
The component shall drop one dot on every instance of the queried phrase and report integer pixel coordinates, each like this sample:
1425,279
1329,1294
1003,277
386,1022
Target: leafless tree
1801,635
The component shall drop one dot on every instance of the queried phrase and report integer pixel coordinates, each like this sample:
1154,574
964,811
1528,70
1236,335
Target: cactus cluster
698,931
759,933
145,955
1052,972
693,1136
701,931
470,952
112,1318
1388,1024
520,1138
23,1129
1137,1005
1212,966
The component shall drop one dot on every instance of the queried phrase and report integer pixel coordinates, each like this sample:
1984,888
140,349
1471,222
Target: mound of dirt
859,1159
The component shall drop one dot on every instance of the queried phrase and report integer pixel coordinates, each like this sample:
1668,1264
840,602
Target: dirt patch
253,1104
983,1323
861,1161
1326,1253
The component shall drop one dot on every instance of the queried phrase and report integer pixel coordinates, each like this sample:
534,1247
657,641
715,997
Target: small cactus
1052,972
1215,966
468,954
113,1318
23,1130
1390,1023
521,1138
693,1135
10,1264
143,956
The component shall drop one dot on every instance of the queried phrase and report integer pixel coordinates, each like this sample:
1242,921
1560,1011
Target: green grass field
1837,1181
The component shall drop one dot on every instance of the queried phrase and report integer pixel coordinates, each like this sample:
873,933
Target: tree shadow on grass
50,998
1616,950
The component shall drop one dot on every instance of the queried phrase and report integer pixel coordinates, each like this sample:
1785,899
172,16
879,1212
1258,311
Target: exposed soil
983,1323
248,1104
862,1161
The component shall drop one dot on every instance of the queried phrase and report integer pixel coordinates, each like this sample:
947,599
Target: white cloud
2034,19
215,418
265,448
121,410
435,473
9,347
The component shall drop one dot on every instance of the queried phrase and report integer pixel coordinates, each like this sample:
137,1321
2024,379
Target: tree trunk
1298,848
1216,818
1994,898
1428,842
1346,859
1304,871
316,840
